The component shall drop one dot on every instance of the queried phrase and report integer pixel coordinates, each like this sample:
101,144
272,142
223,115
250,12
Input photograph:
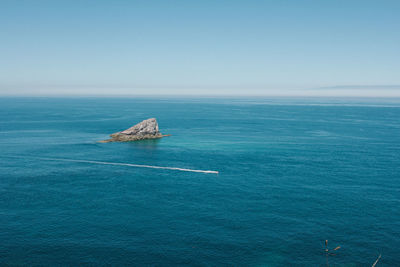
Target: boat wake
120,164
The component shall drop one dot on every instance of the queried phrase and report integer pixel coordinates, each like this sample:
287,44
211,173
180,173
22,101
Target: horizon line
61,95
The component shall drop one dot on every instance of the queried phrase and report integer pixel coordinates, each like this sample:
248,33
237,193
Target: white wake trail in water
124,164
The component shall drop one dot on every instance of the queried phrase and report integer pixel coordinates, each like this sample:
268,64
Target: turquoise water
292,173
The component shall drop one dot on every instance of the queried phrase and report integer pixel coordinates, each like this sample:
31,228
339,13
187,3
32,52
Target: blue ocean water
292,173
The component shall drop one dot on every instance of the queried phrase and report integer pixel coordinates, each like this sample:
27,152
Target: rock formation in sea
147,129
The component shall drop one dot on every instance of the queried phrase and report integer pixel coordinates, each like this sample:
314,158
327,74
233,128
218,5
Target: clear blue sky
198,47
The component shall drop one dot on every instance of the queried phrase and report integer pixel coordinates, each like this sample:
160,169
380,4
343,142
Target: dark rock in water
147,129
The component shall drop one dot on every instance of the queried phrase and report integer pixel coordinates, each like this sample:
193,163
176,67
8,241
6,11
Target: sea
287,174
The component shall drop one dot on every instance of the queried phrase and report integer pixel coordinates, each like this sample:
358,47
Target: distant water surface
292,173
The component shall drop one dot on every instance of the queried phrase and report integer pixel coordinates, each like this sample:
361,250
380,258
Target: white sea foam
125,164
